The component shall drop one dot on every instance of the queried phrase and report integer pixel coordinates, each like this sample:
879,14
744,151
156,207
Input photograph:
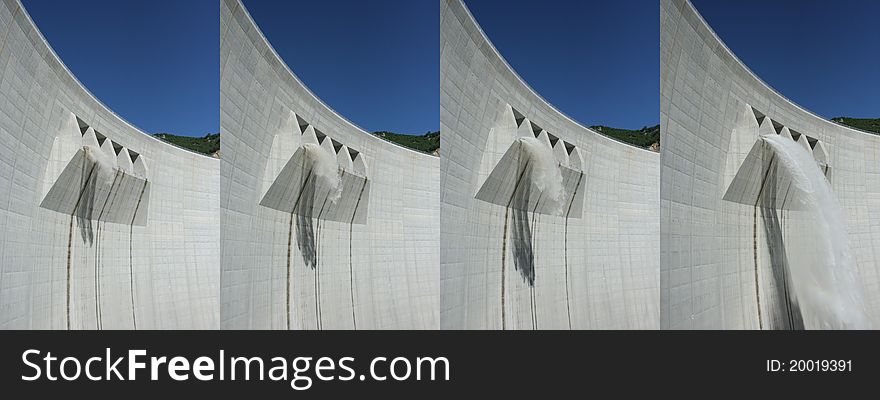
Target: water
325,170
824,275
545,175
105,169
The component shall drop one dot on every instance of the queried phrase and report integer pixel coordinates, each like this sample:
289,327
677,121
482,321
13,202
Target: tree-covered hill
428,143
865,124
208,144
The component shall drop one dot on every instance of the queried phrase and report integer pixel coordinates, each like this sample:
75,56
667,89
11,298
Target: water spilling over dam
768,210
824,278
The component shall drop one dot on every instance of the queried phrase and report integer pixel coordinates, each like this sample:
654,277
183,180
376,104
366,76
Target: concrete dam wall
325,225
101,225
756,213
547,224
736,228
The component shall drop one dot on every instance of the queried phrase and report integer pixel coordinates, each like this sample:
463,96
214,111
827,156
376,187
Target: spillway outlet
760,180
304,186
538,172
102,181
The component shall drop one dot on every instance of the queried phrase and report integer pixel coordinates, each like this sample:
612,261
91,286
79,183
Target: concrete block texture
510,257
101,225
727,217
357,248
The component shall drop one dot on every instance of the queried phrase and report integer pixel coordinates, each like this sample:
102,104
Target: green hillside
644,137
427,143
430,142
865,124
208,144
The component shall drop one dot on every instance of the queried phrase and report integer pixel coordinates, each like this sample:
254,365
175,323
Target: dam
102,226
768,211
325,226
546,224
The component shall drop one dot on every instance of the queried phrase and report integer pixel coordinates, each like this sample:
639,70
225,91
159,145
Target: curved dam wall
101,225
325,225
730,225
512,258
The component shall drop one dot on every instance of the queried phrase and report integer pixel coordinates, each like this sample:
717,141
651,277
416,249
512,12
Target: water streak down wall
723,261
592,265
138,248
369,261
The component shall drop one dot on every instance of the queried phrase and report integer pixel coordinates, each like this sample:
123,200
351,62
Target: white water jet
546,175
824,275
325,170
104,166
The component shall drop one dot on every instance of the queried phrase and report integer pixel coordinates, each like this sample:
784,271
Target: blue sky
824,56
596,61
375,62
155,63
